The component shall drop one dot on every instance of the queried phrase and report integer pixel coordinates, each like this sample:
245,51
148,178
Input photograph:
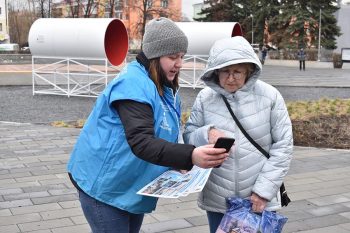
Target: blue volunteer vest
102,163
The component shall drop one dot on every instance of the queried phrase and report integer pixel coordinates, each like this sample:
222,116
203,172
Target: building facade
4,33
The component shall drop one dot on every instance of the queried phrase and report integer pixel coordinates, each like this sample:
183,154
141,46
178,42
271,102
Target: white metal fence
88,77
191,71
71,76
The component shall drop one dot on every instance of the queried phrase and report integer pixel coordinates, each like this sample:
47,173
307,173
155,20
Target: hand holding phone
224,142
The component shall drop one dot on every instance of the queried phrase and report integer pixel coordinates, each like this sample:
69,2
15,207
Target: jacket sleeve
277,166
196,132
137,119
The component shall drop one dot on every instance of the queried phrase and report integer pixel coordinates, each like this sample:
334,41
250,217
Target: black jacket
137,119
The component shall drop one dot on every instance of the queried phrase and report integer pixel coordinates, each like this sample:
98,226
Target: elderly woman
232,72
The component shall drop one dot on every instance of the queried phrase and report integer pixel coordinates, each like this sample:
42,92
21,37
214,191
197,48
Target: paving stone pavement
36,195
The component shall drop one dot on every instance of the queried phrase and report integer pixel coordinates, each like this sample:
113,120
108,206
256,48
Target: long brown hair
159,78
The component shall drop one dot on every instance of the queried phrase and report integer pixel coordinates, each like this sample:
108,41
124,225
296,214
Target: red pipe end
237,30
116,42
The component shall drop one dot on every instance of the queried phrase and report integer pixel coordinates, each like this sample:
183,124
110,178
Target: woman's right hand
207,156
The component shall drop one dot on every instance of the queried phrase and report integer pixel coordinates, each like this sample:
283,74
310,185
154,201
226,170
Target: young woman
131,135
233,71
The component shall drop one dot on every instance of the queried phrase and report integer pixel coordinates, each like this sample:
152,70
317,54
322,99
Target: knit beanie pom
163,37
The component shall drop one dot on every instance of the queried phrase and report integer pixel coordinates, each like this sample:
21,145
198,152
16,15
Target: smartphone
224,142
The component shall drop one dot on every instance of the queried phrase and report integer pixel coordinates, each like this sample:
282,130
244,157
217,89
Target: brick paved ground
36,195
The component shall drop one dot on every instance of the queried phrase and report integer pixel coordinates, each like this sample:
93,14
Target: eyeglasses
235,74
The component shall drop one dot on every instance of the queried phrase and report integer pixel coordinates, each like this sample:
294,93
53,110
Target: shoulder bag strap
243,130
283,193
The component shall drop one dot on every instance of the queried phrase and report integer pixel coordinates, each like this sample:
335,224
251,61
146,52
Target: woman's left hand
214,134
258,203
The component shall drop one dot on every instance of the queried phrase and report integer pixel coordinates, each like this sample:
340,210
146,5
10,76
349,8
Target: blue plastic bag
272,222
239,218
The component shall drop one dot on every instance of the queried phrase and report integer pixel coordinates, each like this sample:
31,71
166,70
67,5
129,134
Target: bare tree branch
147,10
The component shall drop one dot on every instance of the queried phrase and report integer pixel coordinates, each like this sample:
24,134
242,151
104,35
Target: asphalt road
17,104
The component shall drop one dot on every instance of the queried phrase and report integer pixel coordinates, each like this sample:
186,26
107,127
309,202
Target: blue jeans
104,218
214,220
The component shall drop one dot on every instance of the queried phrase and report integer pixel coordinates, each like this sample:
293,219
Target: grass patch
305,110
71,124
323,123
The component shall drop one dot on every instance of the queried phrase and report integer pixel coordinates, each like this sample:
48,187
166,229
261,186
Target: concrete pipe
79,38
202,35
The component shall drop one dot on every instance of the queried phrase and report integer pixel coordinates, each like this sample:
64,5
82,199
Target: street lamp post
49,9
252,29
319,38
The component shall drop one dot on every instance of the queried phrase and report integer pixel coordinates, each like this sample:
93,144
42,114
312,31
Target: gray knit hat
163,37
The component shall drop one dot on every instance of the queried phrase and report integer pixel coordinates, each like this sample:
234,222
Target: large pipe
80,38
202,35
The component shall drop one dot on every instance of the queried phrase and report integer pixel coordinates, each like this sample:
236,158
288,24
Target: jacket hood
230,51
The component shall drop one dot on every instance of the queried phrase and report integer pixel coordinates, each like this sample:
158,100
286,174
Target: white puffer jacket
262,112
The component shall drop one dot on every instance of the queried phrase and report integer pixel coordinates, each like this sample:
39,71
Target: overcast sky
187,8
